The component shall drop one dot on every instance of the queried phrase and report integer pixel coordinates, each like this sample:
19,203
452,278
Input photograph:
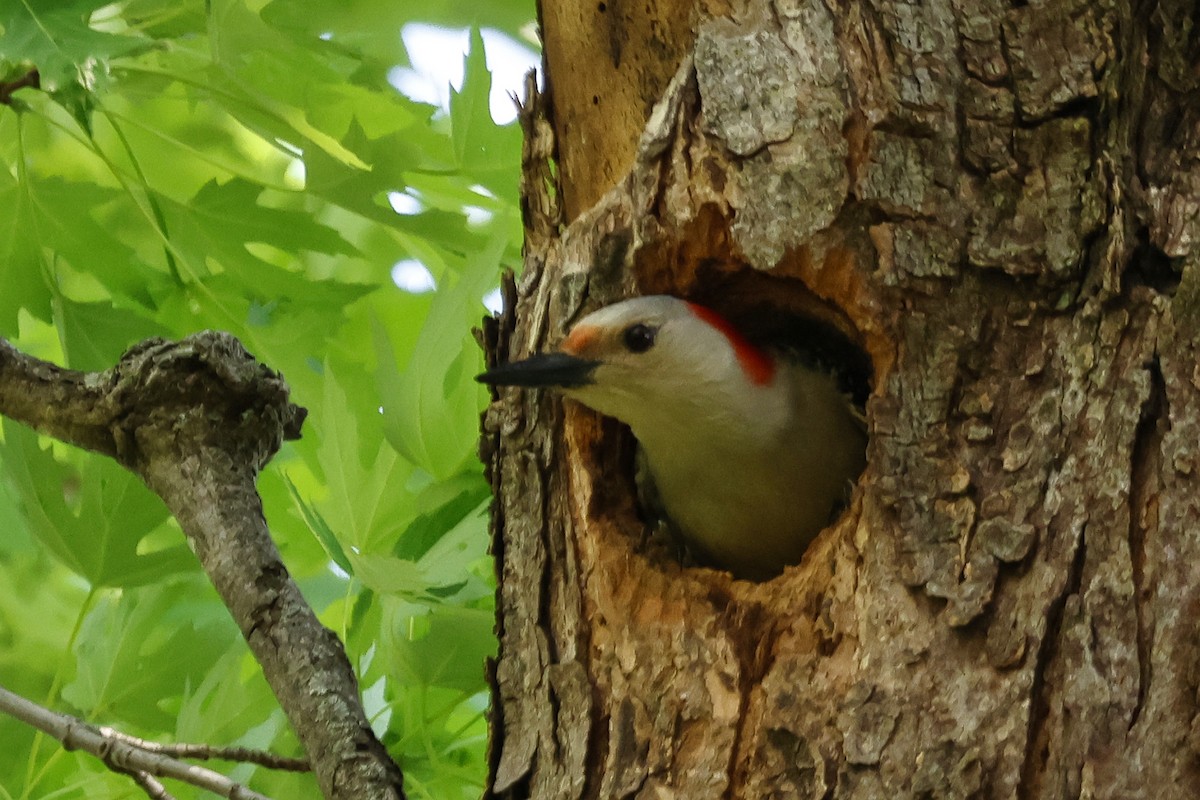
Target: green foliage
97,520
228,164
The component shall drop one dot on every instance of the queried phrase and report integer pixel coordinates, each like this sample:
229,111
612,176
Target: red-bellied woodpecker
752,451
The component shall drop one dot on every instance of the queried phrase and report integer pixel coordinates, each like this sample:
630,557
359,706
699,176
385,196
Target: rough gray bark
1003,200
197,420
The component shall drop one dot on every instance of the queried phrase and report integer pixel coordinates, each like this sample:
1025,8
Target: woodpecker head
656,363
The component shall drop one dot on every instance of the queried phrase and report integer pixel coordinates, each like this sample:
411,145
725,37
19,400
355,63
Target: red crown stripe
755,362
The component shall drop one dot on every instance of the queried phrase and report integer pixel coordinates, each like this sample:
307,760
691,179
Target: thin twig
205,752
151,786
119,755
31,78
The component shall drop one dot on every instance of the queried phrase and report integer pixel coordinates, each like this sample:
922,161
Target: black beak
549,369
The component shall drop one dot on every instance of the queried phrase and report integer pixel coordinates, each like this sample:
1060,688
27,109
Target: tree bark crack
753,632
1144,486
1042,690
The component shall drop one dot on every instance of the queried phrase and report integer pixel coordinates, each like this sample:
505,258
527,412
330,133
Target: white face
659,364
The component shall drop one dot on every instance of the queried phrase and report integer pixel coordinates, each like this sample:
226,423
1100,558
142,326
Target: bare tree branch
152,786
62,403
204,752
196,420
30,78
119,753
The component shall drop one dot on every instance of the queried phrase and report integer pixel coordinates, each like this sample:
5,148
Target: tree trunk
1001,202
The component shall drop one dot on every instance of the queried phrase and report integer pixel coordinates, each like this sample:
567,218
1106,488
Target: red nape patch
756,363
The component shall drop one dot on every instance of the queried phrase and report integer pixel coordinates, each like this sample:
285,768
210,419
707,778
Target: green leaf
366,501
444,505
38,609
67,225
52,222
225,707
165,19
479,143
139,647
96,335
470,117
320,528
93,518
448,564
223,222
445,648
57,38
234,209
21,259
430,408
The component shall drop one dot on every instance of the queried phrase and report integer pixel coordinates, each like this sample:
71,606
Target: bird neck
717,419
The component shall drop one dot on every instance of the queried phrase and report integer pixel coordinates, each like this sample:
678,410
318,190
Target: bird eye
639,338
